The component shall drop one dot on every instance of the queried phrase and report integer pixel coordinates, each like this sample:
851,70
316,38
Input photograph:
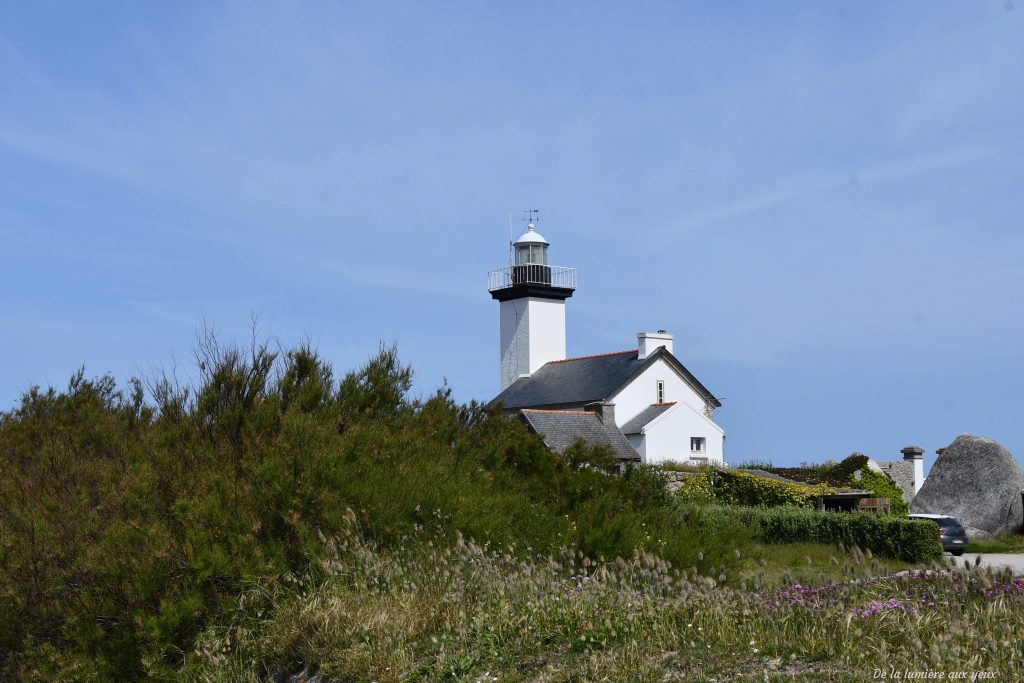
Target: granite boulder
977,481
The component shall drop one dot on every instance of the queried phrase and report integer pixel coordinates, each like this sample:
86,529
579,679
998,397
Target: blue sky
823,201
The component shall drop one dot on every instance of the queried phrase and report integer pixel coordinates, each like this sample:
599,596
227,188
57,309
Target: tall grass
477,612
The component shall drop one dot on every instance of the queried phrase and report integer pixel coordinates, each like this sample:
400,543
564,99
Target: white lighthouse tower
532,295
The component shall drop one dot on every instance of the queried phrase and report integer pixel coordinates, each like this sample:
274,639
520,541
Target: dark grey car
951,532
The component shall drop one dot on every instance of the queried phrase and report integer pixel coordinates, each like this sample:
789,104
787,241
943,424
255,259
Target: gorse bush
128,526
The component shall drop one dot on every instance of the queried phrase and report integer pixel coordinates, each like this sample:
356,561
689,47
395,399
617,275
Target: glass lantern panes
534,254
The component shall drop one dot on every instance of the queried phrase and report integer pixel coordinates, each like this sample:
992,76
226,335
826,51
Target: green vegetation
471,612
807,563
852,472
742,488
881,486
128,527
1007,543
271,518
837,474
883,535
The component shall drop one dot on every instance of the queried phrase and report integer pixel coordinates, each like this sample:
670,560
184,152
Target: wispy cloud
185,312
423,282
799,189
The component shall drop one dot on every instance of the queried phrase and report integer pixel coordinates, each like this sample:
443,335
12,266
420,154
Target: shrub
743,488
126,528
904,539
696,488
838,474
882,486
852,472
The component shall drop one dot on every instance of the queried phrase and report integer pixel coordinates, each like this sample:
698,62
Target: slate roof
588,379
901,472
645,417
561,428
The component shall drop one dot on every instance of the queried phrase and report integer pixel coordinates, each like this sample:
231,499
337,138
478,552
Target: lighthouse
532,295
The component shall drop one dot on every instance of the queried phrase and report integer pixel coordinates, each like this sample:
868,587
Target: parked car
951,532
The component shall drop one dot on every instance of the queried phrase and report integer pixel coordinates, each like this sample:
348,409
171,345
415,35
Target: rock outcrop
977,481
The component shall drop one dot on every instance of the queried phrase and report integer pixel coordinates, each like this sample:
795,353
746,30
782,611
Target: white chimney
648,342
915,454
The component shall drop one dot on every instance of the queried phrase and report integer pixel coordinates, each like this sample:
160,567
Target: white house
662,410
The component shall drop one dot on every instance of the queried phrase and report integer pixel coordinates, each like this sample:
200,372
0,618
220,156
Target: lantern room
531,248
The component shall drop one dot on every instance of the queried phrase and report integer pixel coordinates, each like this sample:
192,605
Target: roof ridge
596,355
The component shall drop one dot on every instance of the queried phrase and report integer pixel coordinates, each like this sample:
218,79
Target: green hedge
886,536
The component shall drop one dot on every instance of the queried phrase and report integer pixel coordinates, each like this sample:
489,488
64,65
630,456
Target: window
531,254
696,444
522,255
539,254
661,392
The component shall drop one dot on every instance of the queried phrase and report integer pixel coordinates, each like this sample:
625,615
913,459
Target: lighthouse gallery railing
531,274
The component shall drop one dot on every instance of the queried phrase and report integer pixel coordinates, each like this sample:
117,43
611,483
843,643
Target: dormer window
660,392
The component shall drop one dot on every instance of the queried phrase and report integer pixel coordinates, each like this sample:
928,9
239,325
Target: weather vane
532,215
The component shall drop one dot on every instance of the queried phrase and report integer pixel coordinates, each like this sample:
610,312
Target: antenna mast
510,238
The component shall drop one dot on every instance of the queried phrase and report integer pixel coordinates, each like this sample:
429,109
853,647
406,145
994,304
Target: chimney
605,411
648,342
915,454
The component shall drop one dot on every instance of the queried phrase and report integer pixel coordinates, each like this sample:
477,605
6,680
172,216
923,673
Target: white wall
547,331
667,437
918,474
643,391
532,334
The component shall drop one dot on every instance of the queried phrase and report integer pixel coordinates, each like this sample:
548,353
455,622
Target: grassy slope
473,613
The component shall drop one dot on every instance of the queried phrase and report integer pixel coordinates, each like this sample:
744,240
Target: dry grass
469,612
